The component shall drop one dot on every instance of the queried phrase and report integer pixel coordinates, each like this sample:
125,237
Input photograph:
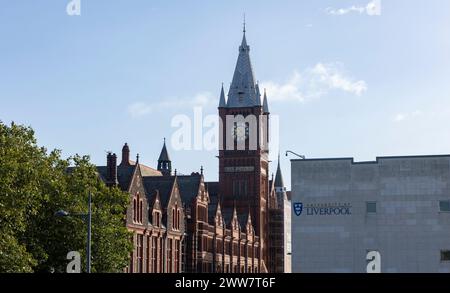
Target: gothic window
169,257
177,256
161,253
137,209
173,220
176,218
156,219
131,270
140,201
139,252
147,255
154,262
134,210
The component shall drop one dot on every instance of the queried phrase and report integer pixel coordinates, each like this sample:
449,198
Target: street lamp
295,154
88,218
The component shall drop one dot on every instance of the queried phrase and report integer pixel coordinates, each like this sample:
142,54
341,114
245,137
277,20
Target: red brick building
182,223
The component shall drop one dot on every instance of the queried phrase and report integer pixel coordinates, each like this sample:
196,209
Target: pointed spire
164,156
279,177
265,103
258,95
222,103
242,91
164,163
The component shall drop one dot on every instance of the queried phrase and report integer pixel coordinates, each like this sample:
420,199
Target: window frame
440,206
442,254
368,203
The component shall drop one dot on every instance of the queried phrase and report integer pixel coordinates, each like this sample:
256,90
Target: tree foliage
34,184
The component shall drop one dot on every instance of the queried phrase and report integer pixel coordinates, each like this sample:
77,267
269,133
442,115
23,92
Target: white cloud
372,8
202,99
139,109
313,83
400,117
343,11
335,78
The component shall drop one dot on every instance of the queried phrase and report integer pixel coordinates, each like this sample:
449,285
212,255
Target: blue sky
344,84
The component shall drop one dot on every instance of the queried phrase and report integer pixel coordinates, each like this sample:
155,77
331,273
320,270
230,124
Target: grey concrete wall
408,229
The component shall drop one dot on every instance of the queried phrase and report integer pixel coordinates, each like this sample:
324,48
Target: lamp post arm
295,154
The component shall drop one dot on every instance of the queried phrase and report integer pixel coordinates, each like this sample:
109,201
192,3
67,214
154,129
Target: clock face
240,131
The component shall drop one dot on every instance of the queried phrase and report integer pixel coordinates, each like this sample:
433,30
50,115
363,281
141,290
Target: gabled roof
243,219
152,201
213,206
163,184
212,209
213,189
146,170
124,175
189,186
227,215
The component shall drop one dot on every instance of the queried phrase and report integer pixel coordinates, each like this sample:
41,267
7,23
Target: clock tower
243,153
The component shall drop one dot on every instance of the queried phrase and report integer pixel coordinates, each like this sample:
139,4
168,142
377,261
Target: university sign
325,209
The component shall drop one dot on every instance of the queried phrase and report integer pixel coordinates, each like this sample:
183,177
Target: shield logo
298,208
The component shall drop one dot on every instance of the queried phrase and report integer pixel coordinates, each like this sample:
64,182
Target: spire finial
137,158
201,170
164,140
244,25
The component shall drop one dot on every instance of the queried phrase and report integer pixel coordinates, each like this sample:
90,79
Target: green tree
34,184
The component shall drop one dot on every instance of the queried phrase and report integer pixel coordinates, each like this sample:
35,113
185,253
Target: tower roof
222,103
279,177
164,156
258,95
242,91
265,103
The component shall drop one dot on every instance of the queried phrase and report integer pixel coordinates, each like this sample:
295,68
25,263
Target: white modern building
397,206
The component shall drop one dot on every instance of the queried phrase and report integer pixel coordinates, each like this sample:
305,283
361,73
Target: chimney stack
111,166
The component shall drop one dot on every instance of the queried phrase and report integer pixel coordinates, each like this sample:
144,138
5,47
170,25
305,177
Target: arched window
173,219
137,209
156,219
140,210
178,219
134,209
